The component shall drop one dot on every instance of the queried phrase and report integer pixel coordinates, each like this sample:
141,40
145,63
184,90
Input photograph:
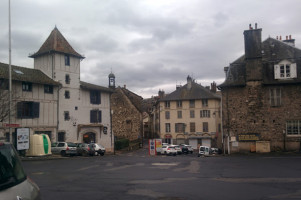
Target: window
179,114
192,114
205,102
28,109
67,94
179,127
293,127
27,86
192,127
95,97
4,85
61,137
167,104
67,60
285,70
66,116
205,113
95,116
191,104
205,127
179,104
67,79
48,89
167,127
167,115
275,96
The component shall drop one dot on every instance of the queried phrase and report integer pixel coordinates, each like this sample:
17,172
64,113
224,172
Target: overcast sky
148,44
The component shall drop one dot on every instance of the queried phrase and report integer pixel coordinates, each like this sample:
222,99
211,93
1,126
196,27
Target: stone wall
248,110
126,119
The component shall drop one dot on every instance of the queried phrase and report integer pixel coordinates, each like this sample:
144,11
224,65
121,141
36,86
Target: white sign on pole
22,138
152,147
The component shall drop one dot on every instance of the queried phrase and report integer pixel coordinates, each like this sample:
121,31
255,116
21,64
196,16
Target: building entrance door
89,137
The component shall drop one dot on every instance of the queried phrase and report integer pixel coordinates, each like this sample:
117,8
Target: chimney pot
280,38
277,37
124,86
250,26
286,37
290,37
255,25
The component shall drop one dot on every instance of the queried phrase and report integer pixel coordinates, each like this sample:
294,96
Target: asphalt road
139,176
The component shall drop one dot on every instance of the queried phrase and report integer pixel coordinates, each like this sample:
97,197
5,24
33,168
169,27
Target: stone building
190,114
83,109
261,96
127,112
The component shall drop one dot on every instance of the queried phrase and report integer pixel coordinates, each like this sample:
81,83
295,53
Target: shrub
121,143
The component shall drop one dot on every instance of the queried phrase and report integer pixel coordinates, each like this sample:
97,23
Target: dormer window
285,70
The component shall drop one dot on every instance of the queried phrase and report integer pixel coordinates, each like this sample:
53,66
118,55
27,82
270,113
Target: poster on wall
22,138
158,145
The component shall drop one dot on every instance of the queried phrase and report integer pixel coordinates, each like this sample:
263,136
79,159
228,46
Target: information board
22,138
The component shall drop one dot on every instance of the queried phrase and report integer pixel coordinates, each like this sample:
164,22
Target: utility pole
10,81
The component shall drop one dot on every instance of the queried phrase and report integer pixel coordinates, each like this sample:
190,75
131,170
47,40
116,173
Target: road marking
165,164
85,168
124,167
258,180
160,181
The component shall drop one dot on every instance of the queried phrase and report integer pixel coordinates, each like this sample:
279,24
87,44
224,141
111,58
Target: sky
149,45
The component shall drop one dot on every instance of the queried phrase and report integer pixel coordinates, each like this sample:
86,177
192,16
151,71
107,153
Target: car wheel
165,152
102,154
63,153
199,155
85,153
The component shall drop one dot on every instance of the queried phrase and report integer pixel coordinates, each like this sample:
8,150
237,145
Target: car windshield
11,170
202,149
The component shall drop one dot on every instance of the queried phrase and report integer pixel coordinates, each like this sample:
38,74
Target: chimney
189,82
289,41
213,87
226,69
178,87
252,43
124,86
161,93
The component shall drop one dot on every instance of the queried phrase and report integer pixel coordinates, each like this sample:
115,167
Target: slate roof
135,99
196,92
56,42
89,86
273,51
25,74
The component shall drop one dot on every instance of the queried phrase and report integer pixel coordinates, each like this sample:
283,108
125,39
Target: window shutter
19,109
99,116
91,97
98,97
276,71
293,70
36,109
92,116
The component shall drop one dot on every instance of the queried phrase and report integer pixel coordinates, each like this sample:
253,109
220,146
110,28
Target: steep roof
135,99
89,86
56,42
273,51
25,74
195,92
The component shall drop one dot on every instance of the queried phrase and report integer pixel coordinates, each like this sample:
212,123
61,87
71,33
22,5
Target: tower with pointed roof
83,108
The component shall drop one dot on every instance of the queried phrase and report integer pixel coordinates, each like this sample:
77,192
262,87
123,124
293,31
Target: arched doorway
89,137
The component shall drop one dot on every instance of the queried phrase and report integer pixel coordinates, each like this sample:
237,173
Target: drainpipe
58,100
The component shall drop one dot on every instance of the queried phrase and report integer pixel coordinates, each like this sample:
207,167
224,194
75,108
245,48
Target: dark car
14,183
84,149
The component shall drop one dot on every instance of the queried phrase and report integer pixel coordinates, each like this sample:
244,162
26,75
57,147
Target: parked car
169,150
215,151
177,148
204,151
14,183
99,149
64,148
84,149
186,148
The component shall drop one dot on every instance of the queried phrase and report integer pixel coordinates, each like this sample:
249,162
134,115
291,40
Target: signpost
22,138
152,147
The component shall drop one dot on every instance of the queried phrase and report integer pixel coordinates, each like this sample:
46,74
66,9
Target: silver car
64,148
14,184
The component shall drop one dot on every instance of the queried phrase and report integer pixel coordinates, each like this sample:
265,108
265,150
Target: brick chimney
213,87
289,40
253,54
253,42
189,82
161,93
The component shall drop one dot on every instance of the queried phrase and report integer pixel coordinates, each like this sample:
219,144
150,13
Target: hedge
121,143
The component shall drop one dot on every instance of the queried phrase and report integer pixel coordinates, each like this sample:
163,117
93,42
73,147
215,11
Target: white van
204,151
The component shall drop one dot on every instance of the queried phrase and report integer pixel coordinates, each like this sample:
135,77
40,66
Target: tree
4,105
